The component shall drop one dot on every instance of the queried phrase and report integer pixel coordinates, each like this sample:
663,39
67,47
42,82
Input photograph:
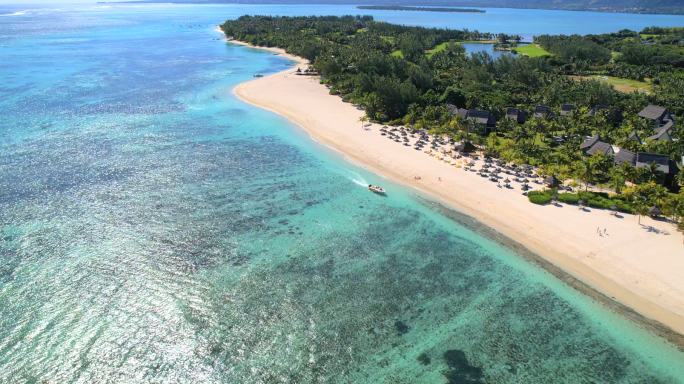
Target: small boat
376,189
258,75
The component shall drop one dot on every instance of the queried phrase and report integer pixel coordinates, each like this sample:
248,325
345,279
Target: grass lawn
397,53
532,50
622,85
644,36
436,49
614,55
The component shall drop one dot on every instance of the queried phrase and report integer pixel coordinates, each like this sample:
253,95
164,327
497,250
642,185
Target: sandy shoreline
633,271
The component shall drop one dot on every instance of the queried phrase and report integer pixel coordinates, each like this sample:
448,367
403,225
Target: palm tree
653,172
363,119
584,173
640,208
680,178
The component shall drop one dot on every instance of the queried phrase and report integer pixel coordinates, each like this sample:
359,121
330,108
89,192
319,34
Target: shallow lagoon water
153,228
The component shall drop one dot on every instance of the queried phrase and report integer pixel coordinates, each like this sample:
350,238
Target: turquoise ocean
155,229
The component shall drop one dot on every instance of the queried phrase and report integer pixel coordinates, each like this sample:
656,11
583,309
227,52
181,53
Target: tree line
359,61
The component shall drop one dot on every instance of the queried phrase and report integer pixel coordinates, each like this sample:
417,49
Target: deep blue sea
155,229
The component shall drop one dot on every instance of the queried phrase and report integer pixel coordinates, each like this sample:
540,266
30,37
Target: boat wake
358,179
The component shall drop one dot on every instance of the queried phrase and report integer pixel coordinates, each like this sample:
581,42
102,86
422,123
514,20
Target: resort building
516,114
587,144
643,160
668,167
484,118
542,112
662,119
566,109
613,113
600,147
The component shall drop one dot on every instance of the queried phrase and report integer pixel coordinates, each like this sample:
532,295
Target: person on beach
440,179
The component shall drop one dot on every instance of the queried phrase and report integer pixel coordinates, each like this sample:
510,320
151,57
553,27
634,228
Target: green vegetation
598,200
410,75
422,9
573,48
436,49
622,85
532,50
397,54
538,197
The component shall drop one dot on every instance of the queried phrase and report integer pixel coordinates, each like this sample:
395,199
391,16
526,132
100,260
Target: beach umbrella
613,208
582,203
554,198
654,211
552,181
368,125
527,181
507,181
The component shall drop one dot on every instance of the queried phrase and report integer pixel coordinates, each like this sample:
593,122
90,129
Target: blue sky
20,2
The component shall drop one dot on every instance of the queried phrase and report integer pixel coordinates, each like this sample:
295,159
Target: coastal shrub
585,195
539,198
568,198
595,203
624,207
592,195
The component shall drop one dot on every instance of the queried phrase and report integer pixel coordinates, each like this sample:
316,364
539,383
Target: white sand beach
635,266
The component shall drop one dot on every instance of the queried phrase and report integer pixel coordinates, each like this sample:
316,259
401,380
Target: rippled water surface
154,229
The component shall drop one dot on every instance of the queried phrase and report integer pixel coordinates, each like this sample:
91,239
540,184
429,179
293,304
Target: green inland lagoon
155,229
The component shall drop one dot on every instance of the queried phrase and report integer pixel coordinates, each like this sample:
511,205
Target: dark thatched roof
566,109
653,112
552,181
482,117
663,132
624,155
655,211
602,147
542,112
590,142
466,147
614,112
665,165
516,114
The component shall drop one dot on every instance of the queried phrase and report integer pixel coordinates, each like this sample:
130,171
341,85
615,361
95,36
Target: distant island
671,7
420,9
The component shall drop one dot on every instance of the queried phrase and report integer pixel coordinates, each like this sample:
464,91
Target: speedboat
376,189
